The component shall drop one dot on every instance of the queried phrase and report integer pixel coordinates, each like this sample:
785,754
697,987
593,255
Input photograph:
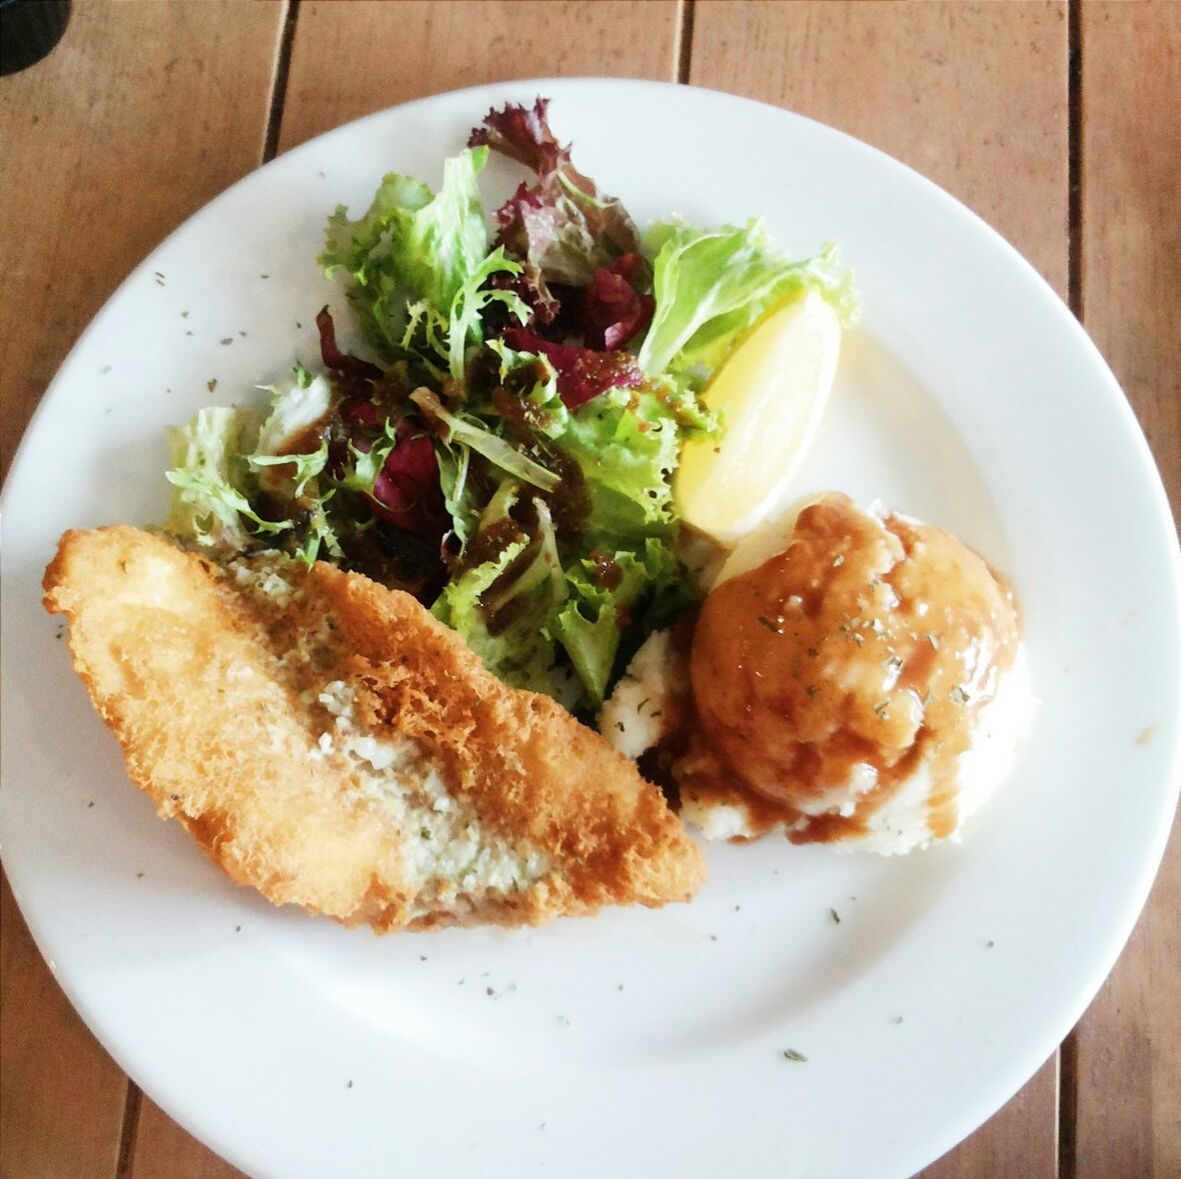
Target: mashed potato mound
865,687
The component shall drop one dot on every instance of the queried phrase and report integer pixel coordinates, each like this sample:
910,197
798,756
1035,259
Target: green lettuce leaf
412,250
502,606
319,534
472,433
626,446
210,477
224,469
532,381
455,462
713,286
627,578
582,603
471,300
644,590
301,469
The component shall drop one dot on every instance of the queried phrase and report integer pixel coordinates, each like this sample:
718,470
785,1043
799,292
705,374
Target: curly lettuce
412,251
209,468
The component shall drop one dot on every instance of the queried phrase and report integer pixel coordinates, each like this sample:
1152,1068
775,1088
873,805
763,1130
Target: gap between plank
685,40
1074,134
1068,1051
1067,1106
279,81
129,1131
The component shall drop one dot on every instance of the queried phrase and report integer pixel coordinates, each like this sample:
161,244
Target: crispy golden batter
330,743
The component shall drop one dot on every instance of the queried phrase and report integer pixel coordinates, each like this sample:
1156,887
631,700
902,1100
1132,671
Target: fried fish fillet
328,742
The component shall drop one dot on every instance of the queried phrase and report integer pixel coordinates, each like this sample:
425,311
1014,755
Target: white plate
654,1039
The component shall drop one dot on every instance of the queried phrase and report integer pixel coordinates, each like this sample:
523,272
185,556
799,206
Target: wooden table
1060,123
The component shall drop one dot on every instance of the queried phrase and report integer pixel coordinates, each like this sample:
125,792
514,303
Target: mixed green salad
505,448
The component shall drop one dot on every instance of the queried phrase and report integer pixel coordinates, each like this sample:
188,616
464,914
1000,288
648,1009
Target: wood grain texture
1131,211
974,96
397,52
62,1106
1128,1045
1000,1146
142,114
164,1151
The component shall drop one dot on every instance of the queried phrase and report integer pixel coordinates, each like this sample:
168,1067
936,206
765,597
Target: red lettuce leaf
583,373
406,493
613,310
522,135
334,358
359,413
541,301
562,225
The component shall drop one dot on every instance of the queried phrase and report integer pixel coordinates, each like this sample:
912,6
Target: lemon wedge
771,393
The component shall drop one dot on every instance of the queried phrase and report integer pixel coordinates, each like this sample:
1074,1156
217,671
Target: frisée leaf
613,596
410,248
208,466
502,605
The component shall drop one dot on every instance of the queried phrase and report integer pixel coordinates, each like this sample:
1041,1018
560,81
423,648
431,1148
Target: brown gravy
857,654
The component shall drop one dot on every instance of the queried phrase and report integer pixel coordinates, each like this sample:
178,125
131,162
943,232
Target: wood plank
164,1151
996,1149
1131,233
62,1107
397,52
890,73
1129,1043
142,114
893,73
